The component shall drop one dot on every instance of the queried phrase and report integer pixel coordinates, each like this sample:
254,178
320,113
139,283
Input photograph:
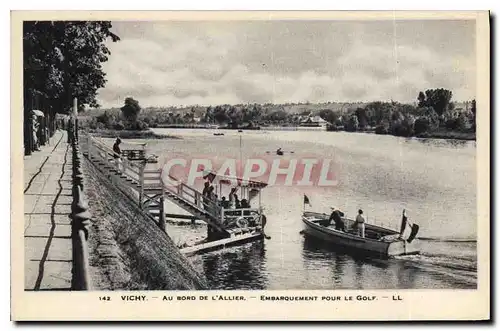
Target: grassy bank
130,134
448,135
127,249
441,133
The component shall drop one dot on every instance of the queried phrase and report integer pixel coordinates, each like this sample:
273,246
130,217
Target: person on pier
212,197
224,203
245,205
237,203
205,188
232,196
117,153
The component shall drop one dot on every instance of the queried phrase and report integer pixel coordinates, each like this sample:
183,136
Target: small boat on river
378,240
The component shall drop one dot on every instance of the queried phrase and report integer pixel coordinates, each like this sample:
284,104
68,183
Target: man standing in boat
360,224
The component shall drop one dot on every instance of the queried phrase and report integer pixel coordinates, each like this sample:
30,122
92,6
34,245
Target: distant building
315,121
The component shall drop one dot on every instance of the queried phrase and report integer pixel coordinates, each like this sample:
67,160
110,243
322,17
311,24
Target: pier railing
196,199
148,187
80,216
98,149
232,215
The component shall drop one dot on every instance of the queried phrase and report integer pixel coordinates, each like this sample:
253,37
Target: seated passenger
224,203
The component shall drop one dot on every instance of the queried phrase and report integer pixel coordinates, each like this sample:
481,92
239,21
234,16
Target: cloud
163,64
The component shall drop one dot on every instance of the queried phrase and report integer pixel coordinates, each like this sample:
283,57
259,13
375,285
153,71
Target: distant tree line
433,111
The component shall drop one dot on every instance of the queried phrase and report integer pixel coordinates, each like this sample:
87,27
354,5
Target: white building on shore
314,121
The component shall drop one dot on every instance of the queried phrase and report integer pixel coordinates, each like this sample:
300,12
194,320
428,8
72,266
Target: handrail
80,215
231,215
240,212
104,151
197,199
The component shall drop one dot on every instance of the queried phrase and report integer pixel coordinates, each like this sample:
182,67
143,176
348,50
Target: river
434,180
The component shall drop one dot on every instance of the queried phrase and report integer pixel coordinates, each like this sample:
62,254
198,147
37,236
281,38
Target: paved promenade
47,226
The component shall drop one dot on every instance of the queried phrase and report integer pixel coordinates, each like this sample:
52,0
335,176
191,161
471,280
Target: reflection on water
350,270
434,180
445,142
238,268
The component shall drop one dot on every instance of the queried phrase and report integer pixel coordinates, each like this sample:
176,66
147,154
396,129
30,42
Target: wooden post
162,204
141,183
260,201
89,146
162,214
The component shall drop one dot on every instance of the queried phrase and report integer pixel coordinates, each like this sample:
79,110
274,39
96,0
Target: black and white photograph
251,154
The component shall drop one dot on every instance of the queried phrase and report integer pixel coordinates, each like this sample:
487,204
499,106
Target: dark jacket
116,149
336,216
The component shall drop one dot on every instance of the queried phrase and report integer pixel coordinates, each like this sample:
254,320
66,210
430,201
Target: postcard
250,166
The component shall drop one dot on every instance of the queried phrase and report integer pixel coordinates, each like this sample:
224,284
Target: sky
230,62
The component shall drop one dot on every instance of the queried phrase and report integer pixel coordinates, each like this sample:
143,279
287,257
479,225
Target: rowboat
378,240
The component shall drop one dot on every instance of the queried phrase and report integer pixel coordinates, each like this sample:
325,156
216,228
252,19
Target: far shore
448,135
439,134
131,134
150,134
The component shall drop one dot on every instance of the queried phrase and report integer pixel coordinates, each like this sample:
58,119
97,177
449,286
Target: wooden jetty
222,243
227,225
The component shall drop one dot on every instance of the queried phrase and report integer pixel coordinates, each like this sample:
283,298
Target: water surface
434,180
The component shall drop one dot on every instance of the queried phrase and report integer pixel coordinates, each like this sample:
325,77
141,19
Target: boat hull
355,243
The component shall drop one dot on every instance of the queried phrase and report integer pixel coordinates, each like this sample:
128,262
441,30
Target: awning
38,112
228,180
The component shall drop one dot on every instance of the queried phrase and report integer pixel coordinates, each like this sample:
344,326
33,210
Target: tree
63,60
362,117
220,115
382,128
131,109
428,120
422,124
328,115
378,112
352,124
438,99
473,111
431,115
277,116
421,99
